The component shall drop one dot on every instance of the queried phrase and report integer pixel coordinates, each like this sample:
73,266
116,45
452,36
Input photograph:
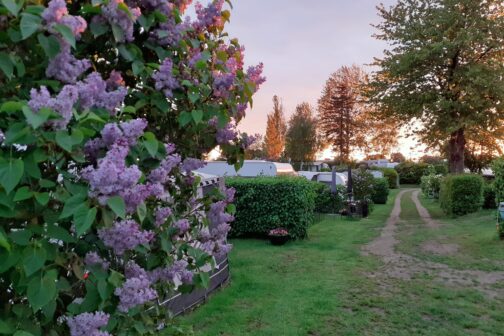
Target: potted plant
278,236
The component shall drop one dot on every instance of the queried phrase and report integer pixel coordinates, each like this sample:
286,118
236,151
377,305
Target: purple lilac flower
227,134
118,17
182,226
230,194
170,33
169,148
176,273
115,81
88,324
124,235
62,104
210,16
132,270
195,57
110,134
254,75
164,79
248,140
162,215
93,93
65,67
217,214
92,258
191,164
92,148
133,129
222,83
240,111
57,13
135,291
160,174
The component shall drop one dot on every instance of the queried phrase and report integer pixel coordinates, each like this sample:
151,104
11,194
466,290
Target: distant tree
301,140
256,151
397,157
432,159
274,142
375,157
444,69
345,117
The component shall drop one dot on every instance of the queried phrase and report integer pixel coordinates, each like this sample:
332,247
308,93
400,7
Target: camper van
325,177
250,168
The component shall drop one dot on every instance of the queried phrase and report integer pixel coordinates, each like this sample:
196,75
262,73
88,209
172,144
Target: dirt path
402,266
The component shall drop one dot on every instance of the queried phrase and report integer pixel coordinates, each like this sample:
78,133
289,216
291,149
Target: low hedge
461,194
489,197
326,201
265,203
380,191
411,172
392,177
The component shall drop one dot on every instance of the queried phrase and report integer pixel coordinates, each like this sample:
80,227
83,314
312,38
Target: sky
301,42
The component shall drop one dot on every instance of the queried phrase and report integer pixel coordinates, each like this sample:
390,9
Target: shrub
380,191
325,200
100,219
498,170
392,177
489,198
411,172
363,182
431,183
265,203
461,194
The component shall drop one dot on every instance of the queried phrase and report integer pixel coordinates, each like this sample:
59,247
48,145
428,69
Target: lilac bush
107,108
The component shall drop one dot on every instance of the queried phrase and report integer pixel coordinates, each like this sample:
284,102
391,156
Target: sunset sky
301,43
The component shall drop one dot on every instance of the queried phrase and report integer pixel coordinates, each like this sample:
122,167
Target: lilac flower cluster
90,93
118,17
64,67
62,104
209,17
248,140
254,75
135,291
162,214
124,235
88,324
164,79
222,83
191,164
161,173
92,258
176,274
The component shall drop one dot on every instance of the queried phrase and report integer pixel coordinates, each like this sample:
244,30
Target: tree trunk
456,148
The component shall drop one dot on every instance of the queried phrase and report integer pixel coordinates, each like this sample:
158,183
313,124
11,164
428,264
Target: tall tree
397,157
274,141
346,118
301,140
443,69
340,108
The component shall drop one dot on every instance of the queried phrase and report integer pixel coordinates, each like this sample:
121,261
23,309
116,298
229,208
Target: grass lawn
321,286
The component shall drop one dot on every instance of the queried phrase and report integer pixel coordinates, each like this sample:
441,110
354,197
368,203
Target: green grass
475,234
321,286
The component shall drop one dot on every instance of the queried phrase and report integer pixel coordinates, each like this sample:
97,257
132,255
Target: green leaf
3,240
72,204
205,279
193,96
11,173
66,33
83,219
6,327
59,233
22,194
117,205
22,333
21,237
151,143
197,116
6,65
43,290
65,140
118,33
137,67
11,106
115,278
29,24
184,118
50,45
142,211
36,119
12,6
42,198
98,29
33,259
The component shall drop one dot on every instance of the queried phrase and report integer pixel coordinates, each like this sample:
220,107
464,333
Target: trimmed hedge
326,201
461,194
489,198
265,203
498,170
392,177
411,172
380,191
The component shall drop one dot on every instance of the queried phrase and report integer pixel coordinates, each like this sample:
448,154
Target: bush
392,177
326,201
489,199
461,194
363,182
411,172
498,170
431,183
380,191
265,203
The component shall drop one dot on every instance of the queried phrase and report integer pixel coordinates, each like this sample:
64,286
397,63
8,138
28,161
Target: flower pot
278,240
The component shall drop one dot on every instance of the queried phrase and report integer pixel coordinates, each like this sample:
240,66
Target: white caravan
250,168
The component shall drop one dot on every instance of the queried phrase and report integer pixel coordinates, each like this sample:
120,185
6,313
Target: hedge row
326,201
392,177
461,194
265,203
380,191
411,172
